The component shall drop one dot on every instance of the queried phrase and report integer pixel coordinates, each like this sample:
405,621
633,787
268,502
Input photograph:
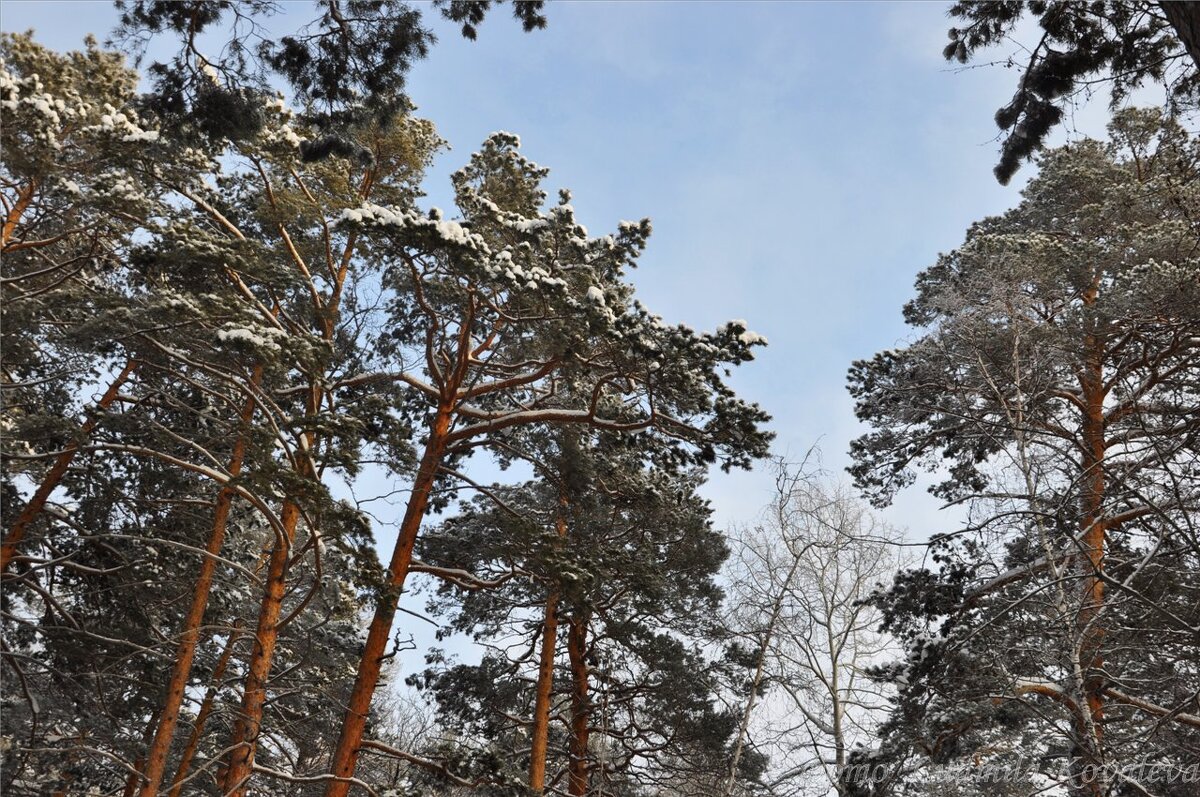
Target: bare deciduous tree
800,580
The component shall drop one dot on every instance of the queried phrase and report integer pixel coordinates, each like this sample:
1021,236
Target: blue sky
801,163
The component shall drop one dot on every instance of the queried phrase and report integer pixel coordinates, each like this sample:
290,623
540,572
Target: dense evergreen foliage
1055,389
241,359
1124,44
265,329
346,66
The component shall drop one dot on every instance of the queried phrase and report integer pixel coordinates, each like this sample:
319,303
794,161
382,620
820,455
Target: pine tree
591,589
1054,389
346,67
520,320
63,140
206,294
264,325
1119,42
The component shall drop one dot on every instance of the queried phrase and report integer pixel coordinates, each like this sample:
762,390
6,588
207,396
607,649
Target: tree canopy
265,410
1080,46
1054,390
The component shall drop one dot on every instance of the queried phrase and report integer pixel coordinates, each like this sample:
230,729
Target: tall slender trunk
541,704
577,768
345,755
838,709
135,777
1094,534
254,695
236,776
210,696
54,476
160,747
739,742
258,672
1093,528
545,679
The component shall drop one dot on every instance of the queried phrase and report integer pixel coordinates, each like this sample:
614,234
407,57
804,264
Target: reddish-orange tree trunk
542,695
51,480
131,782
577,771
24,197
160,747
1094,533
254,695
189,752
236,775
345,756
545,679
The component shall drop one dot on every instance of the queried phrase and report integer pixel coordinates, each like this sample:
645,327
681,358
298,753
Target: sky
801,162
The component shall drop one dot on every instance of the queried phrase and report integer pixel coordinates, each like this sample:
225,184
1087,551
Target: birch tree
801,580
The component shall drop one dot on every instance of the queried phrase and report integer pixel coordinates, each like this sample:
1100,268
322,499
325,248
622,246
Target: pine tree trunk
254,695
345,756
54,476
1092,526
577,772
541,704
24,197
1185,19
135,777
193,744
249,723
545,679
160,748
